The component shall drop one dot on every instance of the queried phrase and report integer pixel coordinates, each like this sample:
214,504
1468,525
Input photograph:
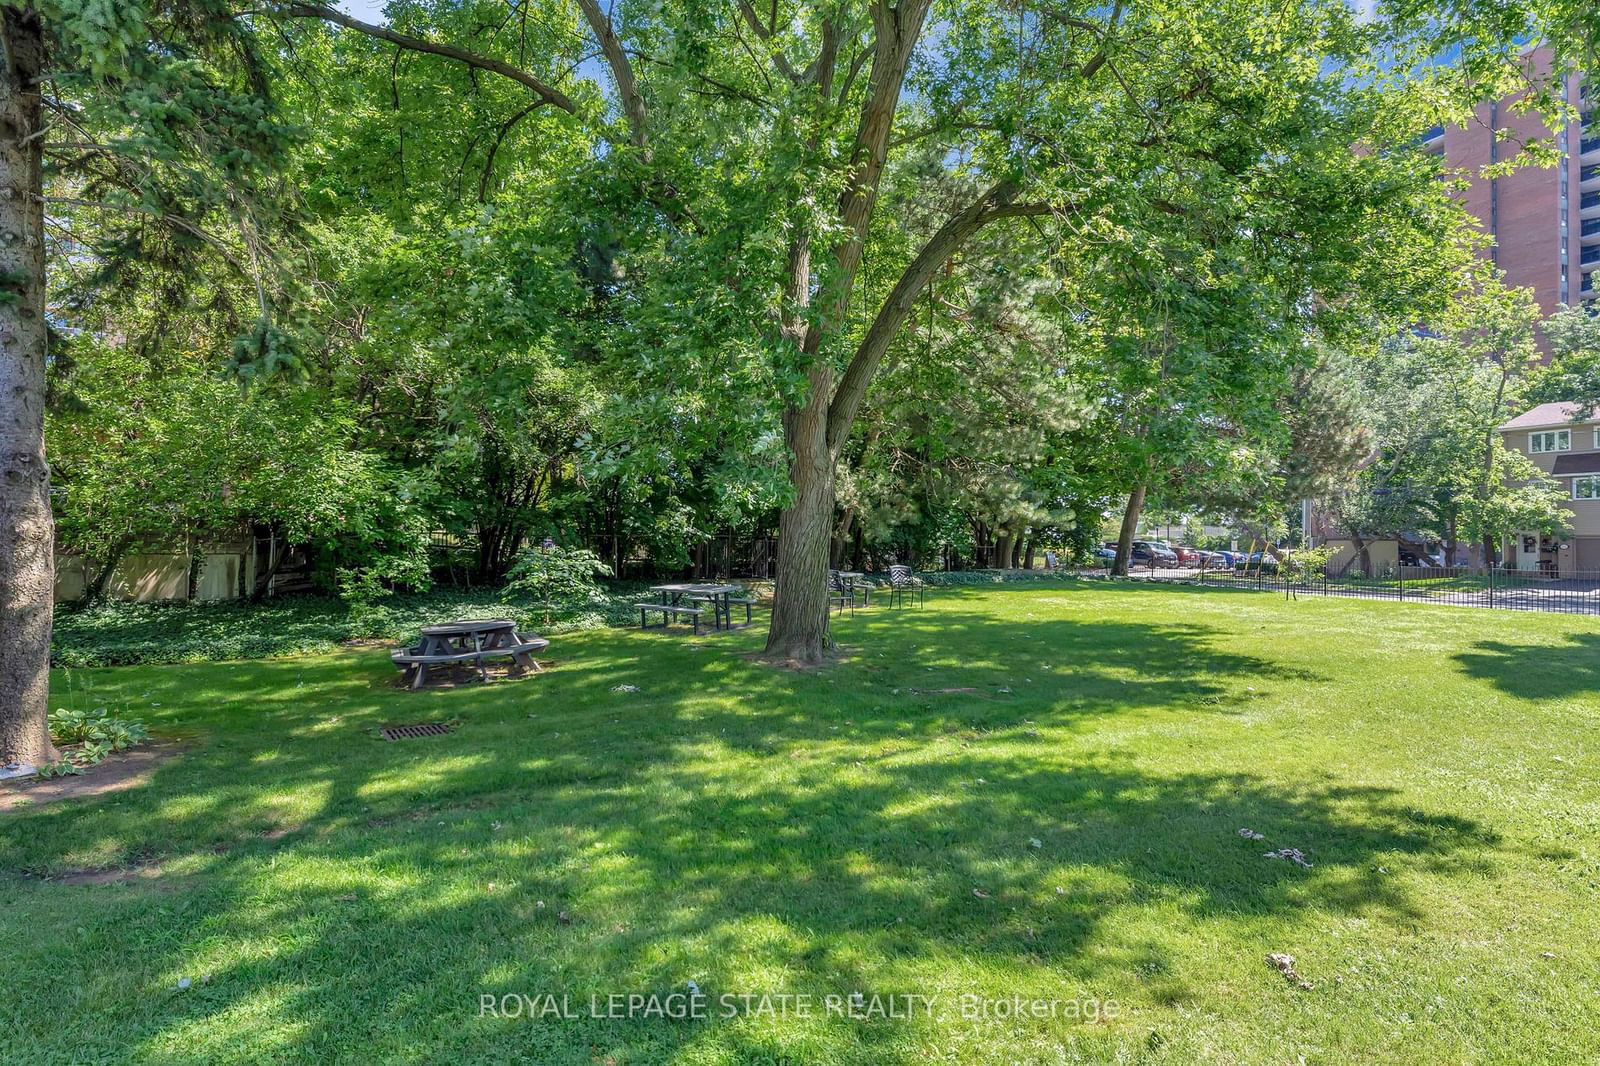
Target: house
1568,449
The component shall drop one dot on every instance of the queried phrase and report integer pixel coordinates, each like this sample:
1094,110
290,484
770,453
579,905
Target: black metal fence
1577,592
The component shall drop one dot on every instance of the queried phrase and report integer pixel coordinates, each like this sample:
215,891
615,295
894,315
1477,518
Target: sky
365,10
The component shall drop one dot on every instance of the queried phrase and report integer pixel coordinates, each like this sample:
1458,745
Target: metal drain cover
421,729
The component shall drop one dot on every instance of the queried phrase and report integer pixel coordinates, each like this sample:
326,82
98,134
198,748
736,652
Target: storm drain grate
421,729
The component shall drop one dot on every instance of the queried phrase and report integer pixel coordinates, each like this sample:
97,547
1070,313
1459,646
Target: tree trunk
1002,550
274,563
1130,524
27,529
842,540
96,589
798,631
1027,555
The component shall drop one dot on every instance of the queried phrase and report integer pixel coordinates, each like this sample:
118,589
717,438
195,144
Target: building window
1586,487
1551,440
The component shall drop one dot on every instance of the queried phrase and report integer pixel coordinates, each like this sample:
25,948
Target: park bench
668,612
747,603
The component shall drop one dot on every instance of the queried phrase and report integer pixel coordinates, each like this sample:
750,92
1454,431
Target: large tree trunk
798,632
27,530
1130,525
1003,541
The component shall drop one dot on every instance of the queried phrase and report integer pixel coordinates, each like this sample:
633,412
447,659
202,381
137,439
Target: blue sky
365,10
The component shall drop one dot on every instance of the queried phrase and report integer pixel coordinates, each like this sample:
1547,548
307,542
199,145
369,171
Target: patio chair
903,584
843,593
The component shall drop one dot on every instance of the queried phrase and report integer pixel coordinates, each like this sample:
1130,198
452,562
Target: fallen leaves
1284,964
1292,854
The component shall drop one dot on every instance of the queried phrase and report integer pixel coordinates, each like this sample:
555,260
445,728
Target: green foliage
561,580
98,726
92,734
119,633
458,312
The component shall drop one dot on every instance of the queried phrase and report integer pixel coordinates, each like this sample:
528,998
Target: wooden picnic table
673,594
470,640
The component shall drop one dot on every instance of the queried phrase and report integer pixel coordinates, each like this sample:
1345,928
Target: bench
668,611
414,664
746,603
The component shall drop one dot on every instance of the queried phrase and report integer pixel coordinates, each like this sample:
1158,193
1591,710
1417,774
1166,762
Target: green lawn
333,897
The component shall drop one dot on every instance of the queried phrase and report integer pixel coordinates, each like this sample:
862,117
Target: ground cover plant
118,633
1034,791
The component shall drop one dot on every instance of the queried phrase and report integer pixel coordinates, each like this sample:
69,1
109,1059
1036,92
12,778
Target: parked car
1186,556
1255,561
1152,554
1408,557
1104,556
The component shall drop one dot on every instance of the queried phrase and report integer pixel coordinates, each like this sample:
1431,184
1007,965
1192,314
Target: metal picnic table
673,594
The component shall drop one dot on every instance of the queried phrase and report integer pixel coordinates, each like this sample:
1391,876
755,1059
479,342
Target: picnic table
845,587
470,640
670,604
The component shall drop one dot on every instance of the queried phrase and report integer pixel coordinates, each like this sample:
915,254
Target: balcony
1589,173
1590,228
1589,144
1589,201
1590,255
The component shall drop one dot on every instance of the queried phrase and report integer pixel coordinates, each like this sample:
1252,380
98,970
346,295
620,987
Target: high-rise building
1544,221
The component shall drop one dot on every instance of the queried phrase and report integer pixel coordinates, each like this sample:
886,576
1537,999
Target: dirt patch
119,771
366,643
114,876
831,657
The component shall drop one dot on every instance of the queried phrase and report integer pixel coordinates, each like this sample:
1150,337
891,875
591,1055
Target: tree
142,125
1433,406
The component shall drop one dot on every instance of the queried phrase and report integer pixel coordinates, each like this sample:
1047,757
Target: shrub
92,735
561,581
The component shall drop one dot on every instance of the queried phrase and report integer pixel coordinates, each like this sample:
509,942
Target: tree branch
494,149
621,72
996,203
779,60
550,94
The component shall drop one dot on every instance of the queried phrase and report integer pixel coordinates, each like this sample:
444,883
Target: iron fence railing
1572,592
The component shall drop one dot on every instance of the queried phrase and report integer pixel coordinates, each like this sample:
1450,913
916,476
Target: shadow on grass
1541,671
751,829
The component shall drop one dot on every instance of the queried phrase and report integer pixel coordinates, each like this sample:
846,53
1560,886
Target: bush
560,580
92,735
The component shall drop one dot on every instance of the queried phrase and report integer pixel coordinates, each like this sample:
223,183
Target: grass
870,827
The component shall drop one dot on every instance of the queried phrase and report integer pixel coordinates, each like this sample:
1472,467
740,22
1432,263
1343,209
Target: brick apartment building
1545,221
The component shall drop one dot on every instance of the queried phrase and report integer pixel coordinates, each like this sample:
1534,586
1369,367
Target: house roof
1547,415
1586,463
